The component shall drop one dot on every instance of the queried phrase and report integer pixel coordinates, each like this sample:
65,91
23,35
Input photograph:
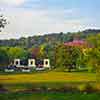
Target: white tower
46,63
31,63
17,62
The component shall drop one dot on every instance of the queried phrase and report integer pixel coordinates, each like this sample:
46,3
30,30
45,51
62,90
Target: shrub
86,88
3,89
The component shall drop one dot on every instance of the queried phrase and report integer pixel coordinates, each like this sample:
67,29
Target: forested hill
50,39
91,31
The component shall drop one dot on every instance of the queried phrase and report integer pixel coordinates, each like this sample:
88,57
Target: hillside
50,39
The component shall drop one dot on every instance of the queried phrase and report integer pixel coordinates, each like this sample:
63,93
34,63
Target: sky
38,17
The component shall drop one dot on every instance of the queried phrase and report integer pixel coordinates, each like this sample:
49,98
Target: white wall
46,63
31,63
17,60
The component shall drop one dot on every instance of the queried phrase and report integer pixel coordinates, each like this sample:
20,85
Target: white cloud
12,2
32,22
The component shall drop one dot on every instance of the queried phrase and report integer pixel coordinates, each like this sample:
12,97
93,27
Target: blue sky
38,17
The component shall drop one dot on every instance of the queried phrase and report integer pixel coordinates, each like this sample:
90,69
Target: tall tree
17,52
94,53
67,57
3,22
4,59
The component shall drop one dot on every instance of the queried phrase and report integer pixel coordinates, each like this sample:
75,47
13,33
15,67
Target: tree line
61,57
49,39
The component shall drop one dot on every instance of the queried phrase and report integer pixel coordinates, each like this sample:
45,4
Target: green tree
42,52
94,53
4,59
17,52
67,57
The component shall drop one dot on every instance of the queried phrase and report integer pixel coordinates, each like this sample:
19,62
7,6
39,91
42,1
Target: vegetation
67,57
52,85
3,56
93,54
61,57
48,77
51,46
3,22
50,39
49,96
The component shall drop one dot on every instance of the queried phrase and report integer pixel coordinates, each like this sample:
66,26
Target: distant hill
49,39
91,31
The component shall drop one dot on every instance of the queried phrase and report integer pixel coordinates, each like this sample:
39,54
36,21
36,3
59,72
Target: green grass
49,96
20,82
17,82
45,85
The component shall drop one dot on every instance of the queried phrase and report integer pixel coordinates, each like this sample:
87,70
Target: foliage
88,88
67,56
3,22
49,39
50,96
16,52
3,57
94,54
51,46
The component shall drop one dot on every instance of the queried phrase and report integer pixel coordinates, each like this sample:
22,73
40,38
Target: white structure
40,69
17,62
9,70
26,70
31,63
46,63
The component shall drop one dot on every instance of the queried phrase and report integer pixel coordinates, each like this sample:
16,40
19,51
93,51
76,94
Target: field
22,86
47,77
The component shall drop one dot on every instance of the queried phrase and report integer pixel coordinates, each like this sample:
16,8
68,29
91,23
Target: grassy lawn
47,77
17,83
49,96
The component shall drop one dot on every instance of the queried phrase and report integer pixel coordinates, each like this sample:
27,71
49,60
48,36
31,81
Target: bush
86,88
3,89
